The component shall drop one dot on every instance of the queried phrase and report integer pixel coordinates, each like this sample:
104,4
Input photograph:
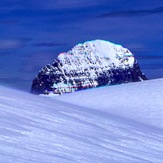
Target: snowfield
114,124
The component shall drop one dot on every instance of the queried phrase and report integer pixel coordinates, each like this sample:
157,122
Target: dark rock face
83,68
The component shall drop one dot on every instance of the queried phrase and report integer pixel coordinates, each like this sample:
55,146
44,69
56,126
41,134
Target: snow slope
115,124
142,101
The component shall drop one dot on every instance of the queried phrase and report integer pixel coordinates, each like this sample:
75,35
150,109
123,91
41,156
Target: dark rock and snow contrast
91,64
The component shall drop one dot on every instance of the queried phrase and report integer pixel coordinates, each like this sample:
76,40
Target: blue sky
33,33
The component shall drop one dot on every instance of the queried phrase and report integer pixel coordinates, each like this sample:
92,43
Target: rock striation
91,64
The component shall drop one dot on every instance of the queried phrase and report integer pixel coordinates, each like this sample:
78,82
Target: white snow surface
112,124
101,53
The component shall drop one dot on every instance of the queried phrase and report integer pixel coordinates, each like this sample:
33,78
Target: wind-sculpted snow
142,101
117,124
91,64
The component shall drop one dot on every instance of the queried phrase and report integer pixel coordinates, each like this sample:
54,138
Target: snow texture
98,51
111,124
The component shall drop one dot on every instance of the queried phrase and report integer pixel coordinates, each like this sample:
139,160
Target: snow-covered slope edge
142,101
91,64
39,129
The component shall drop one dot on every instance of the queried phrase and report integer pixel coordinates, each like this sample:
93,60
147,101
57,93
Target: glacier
117,124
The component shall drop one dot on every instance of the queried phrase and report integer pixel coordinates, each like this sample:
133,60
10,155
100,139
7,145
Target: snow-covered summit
98,51
90,64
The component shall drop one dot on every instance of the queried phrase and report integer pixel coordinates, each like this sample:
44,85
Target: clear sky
34,32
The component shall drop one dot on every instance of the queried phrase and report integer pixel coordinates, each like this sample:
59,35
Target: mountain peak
89,64
94,49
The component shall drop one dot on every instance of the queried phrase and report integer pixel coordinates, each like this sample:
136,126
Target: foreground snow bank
107,126
142,101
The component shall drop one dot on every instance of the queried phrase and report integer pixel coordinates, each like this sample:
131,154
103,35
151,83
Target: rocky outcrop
91,64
